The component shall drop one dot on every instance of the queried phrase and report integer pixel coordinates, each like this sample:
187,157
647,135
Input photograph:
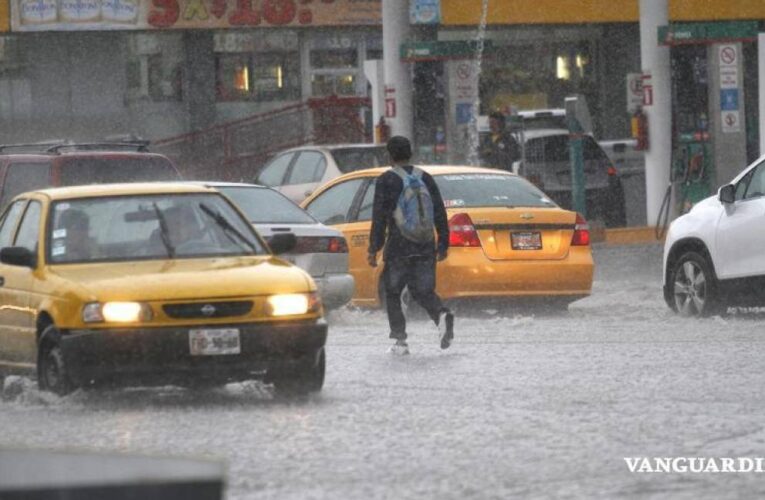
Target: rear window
265,206
77,171
556,149
489,190
544,122
352,159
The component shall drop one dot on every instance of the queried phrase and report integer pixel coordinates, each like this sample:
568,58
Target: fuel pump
692,169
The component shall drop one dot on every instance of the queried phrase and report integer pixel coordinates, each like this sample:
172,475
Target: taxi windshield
143,227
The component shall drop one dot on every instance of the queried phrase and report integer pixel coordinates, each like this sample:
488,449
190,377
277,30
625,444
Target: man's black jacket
388,188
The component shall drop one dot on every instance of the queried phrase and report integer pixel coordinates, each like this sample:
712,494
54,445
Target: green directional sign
436,50
704,33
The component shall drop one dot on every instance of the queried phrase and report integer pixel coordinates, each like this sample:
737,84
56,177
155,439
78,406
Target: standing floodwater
473,137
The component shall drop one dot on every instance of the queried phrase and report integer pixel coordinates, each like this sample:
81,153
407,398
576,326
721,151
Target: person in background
77,243
499,149
408,208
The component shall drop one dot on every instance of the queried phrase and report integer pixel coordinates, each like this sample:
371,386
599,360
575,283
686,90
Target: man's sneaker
400,348
446,328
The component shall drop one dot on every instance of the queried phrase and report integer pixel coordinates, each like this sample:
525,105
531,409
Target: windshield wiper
164,234
228,227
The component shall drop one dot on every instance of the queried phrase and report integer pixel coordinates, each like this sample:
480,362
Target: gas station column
727,112
398,80
657,104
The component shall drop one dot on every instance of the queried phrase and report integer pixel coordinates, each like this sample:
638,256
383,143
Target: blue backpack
414,209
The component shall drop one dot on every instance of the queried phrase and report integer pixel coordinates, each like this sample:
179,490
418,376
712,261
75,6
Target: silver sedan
320,250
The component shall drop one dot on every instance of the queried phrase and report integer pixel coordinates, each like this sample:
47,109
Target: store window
251,67
155,66
335,67
539,76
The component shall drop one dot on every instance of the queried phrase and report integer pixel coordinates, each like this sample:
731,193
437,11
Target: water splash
473,137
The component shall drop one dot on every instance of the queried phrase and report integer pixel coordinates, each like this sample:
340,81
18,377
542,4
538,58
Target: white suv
715,255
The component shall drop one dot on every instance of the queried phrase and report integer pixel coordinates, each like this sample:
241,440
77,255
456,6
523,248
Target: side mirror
282,243
18,256
727,193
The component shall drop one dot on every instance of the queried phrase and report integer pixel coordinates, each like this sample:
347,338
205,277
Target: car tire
303,383
52,374
694,289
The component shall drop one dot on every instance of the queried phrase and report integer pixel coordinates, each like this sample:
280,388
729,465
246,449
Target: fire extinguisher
639,125
382,131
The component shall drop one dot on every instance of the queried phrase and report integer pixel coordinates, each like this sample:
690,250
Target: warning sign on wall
731,122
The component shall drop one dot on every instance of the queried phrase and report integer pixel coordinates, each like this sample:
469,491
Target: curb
625,235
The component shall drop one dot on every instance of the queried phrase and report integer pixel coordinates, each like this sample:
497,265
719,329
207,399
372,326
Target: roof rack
36,146
56,146
140,146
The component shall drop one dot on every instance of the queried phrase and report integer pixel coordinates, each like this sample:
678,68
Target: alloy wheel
690,289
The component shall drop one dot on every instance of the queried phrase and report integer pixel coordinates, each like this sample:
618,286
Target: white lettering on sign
390,107
647,90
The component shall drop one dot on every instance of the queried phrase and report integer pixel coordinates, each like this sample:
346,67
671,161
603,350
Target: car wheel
52,373
694,287
303,383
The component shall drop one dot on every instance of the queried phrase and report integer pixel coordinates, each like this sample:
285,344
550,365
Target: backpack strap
401,172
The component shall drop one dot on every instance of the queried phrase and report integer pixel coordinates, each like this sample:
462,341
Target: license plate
526,241
212,342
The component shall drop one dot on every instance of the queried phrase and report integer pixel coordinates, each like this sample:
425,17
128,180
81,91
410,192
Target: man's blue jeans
418,273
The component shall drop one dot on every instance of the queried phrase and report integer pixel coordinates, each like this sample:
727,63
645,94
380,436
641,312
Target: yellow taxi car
507,238
151,284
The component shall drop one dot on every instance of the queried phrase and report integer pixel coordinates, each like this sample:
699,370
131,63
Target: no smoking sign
728,55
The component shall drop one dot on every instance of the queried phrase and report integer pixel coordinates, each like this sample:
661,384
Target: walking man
408,209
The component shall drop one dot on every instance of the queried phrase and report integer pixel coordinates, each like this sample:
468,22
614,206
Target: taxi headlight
116,312
293,304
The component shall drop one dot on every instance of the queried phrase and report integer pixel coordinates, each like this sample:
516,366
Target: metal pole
761,86
576,156
657,104
398,80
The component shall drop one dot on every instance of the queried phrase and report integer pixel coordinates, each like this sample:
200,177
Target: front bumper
162,355
335,290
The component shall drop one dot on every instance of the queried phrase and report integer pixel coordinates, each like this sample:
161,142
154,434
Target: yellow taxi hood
185,279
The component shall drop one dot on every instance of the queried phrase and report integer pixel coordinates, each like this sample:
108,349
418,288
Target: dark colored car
27,167
547,164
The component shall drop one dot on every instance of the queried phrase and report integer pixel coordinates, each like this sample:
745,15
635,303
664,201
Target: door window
308,168
333,205
365,210
30,227
9,222
743,184
23,177
273,173
756,187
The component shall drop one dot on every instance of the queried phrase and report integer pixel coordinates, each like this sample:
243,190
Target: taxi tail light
462,232
581,232
321,245
611,170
